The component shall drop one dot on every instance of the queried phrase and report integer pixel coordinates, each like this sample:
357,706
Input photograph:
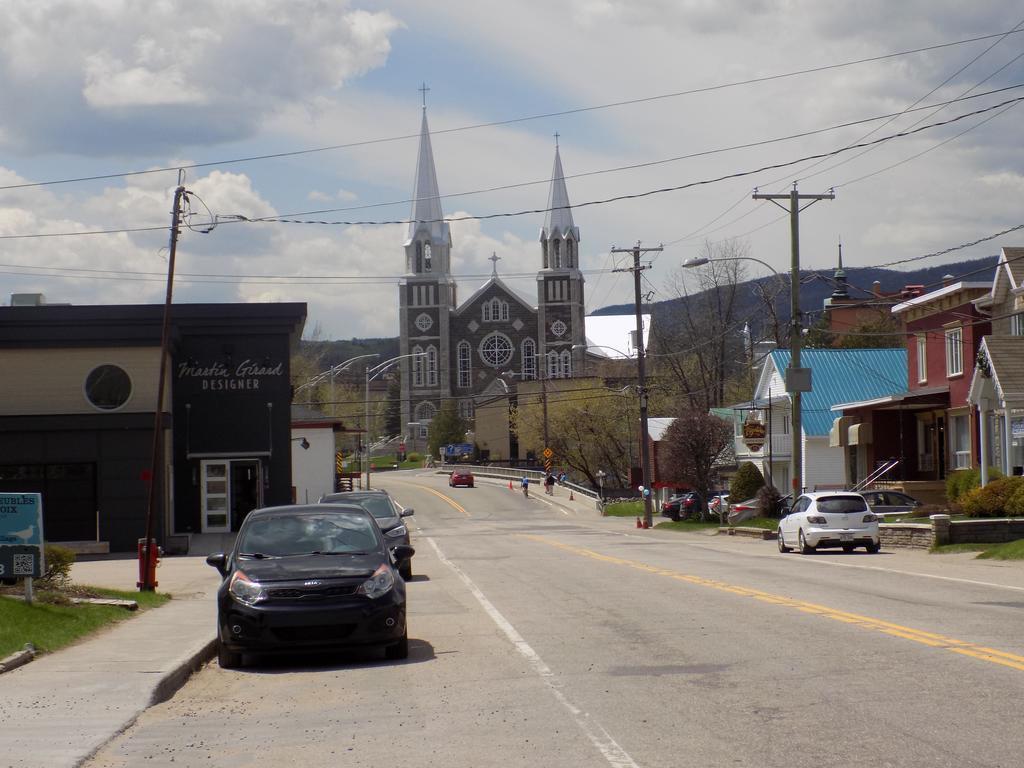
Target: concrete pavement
59,709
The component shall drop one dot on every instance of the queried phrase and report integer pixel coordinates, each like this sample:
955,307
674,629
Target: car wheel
399,650
805,548
782,544
228,659
674,516
847,548
406,571
873,548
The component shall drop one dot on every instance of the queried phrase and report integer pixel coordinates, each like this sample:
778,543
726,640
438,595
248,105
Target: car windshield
378,505
285,535
840,504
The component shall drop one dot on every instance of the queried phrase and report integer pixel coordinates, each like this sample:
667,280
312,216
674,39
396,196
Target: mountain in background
815,287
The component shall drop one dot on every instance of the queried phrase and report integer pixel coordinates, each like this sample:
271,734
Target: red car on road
461,477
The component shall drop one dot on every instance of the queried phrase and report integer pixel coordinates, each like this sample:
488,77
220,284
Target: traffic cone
638,523
571,497
646,525
510,485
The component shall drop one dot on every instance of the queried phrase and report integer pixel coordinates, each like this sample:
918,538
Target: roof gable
494,280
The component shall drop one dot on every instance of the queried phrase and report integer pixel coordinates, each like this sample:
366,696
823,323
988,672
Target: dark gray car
386,511
890,503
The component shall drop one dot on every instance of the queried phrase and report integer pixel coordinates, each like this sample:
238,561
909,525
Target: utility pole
798,380
155,475
641,375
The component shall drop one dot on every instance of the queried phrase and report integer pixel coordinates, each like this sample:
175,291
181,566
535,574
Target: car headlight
398,530
245,590
379,584
817,520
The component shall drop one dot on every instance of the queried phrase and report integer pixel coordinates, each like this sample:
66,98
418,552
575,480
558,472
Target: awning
928,397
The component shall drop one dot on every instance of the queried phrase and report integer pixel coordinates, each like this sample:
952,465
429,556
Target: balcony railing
781,446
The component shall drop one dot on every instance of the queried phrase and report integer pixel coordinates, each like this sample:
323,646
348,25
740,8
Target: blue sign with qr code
21,535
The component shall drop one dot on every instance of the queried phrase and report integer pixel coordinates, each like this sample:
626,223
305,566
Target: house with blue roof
763,427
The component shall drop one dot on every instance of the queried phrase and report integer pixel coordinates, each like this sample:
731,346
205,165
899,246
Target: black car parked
387,512
310,577
683,506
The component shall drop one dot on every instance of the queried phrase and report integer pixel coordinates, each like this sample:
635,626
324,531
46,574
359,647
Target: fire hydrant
148,561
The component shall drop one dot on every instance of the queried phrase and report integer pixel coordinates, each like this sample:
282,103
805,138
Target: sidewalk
59,709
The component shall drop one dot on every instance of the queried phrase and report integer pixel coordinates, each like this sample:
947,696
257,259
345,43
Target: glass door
214,498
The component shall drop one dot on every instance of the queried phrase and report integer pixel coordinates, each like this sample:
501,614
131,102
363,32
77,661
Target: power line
513,121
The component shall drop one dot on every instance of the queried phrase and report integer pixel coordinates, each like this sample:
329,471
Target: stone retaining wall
907,535
986,531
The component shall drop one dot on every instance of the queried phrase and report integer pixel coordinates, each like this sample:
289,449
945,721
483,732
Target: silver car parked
829,519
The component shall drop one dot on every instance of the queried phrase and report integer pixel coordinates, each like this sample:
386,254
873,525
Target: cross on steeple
557,134
494,259
423,90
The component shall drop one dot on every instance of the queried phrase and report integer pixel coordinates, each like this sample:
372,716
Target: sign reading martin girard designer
218,376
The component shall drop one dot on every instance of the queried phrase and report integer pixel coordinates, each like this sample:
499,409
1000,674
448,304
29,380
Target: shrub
58,566
768,498
992,500
960,482
1015,504
746,483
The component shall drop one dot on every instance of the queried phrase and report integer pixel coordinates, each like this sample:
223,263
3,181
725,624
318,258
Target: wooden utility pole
645,449
798,380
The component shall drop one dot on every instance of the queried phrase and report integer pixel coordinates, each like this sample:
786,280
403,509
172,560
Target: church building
478,347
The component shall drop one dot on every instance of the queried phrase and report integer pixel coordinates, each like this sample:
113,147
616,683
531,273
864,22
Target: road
541,636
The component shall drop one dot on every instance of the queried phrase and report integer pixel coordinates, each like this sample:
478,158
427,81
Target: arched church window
465,358
529,350
426,257
504,310
431,366
566,371
557,254
419,256
552,359
544,252
569,252
417,366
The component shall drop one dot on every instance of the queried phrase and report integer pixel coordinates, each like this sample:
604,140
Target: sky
669,114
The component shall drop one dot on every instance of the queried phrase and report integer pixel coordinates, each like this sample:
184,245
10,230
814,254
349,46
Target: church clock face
496,349
424,322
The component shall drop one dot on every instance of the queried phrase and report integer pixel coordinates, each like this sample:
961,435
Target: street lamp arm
382,367
371,374
700,261
332,372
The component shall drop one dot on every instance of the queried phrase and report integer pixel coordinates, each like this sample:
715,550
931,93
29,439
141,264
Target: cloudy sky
105,99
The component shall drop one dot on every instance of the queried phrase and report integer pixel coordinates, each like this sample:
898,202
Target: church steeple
429,240
839,275
559,237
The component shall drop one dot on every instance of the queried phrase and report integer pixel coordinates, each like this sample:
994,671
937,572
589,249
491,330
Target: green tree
746,483
393,407
446,427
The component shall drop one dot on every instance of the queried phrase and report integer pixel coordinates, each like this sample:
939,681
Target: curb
18,658
182,670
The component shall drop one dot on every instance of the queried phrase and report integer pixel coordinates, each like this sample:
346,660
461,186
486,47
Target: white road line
913,573
599,737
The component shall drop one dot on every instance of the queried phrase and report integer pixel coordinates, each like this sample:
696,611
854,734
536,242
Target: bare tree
690,446
700,347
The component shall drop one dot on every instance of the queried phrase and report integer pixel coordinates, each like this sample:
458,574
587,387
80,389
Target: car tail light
870,518
817,520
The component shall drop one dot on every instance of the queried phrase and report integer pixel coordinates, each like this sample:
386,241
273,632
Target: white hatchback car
829,519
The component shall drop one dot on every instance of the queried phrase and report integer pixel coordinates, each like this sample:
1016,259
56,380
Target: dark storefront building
77,408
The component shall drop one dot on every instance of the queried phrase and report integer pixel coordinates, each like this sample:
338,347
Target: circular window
424,321
559,328
496,349
108,387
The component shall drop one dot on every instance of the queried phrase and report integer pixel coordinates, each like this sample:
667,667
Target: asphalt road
546,637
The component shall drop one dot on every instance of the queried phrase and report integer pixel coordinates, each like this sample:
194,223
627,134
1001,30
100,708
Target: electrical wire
513,121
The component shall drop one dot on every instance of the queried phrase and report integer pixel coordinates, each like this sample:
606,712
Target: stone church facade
482,346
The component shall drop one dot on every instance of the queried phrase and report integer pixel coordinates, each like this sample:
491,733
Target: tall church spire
426,204
559,237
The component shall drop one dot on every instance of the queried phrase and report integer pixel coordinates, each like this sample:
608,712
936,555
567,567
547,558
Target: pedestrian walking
549,485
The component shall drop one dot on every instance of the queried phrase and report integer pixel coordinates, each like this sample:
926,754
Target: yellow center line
931,639
440,495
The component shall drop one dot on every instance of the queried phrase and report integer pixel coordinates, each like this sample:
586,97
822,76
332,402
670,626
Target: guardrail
514,473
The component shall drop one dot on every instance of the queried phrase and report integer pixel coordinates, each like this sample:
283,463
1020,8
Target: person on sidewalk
549,484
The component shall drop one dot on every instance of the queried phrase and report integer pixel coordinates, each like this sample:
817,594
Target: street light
796,450
332,373
371,374
645,449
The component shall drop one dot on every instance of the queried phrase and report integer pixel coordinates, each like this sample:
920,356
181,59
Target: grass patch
767,523
53,622
687,525
1011,550
624,509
